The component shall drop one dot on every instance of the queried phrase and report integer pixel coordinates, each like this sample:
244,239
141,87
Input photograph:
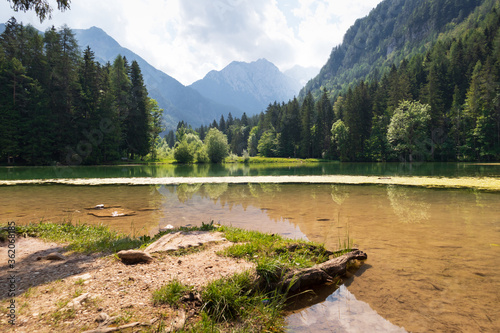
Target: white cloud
188,38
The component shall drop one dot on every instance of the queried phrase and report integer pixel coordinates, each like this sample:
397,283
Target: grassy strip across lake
245,301
477,183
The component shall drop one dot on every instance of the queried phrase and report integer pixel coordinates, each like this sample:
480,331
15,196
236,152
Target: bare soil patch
121,292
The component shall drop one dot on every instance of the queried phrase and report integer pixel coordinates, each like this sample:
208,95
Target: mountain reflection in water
340,312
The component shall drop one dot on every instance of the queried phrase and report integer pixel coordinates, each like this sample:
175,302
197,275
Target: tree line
441,105
59,105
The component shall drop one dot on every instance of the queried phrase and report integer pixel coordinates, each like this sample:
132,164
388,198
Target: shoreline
85,289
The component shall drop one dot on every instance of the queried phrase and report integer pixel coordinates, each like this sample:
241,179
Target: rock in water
112,212
131,257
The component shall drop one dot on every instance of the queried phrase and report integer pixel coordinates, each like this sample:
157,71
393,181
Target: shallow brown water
432,254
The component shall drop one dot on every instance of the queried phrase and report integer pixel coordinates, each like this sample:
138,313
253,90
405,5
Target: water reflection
340,193
341,312
432,253
215,191
258,169
408,205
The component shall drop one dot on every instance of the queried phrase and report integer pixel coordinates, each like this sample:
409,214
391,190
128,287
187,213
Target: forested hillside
393,31
58,105
442,104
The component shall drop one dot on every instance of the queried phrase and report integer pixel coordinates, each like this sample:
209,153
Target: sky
188,38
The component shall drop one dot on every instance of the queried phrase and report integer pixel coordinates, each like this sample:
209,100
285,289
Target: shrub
216,145
183,153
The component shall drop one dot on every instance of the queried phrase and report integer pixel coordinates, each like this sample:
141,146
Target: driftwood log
117,328
321,273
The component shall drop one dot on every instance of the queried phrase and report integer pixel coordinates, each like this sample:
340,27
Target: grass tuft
238,301
224,298
170,293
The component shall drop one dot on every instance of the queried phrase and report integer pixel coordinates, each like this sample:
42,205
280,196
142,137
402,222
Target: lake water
432,253
276,169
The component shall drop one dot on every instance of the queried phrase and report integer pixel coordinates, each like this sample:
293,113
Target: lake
264,169
432,253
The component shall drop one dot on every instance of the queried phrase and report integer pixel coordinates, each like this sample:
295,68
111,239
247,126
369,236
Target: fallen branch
321,273
114,329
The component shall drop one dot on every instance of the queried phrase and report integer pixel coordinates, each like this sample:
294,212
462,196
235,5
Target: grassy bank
272,160
229,160
243,302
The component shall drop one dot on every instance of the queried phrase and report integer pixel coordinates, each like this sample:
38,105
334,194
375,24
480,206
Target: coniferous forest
58,105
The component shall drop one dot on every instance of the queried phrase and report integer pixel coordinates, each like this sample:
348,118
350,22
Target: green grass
88,238
148,161
81,237
80,282
224,298
275,160
170,293
28,293
273,254
238,300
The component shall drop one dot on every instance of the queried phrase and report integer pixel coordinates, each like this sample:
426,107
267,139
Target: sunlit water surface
432,254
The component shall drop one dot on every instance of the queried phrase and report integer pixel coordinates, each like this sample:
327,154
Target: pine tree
324,122
109,116
306,120
14,83
121,87
170,137
399,86
61,52
10,39
229,123
290,129
89,85
222,124
358,117
437,90
480,110
137,130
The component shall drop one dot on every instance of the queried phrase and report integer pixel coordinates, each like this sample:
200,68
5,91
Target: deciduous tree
216,145
408,131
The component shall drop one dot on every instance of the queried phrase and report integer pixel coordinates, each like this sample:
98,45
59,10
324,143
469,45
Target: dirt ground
113,292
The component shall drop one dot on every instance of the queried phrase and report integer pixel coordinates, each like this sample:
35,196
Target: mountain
394,30
302,74
251,87
178,101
